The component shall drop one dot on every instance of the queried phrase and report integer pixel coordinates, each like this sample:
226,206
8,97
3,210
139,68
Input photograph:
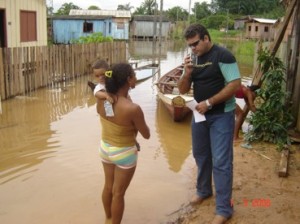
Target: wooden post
0,105
298,84
2,79
274,47
283,166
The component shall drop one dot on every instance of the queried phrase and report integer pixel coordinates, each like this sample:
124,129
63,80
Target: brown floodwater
50,171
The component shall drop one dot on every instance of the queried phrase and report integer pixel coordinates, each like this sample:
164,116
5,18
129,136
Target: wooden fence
25,69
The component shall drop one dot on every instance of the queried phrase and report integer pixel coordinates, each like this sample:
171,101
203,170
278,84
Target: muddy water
50,171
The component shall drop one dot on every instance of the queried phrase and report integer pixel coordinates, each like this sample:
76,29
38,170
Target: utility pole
195,8
155,22
227,20
189,19
160,21
227,25
51,17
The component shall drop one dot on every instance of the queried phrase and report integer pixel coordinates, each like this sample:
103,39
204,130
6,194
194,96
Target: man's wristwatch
209,106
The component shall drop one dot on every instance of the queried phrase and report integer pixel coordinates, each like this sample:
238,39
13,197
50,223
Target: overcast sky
113,4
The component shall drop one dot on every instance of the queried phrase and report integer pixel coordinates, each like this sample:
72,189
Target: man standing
215,77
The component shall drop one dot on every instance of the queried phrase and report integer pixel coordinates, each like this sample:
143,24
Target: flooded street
50,171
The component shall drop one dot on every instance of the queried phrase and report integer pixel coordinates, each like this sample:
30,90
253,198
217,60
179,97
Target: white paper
198,117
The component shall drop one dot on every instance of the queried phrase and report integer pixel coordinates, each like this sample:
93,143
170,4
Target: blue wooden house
111,23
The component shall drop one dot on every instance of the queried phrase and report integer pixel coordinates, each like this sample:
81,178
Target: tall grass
245,52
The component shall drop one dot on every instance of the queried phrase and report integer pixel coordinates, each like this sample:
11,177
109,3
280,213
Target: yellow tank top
116,135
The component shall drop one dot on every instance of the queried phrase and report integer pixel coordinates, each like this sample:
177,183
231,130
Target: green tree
177,13
66,8
201,10
49,10
275,13
127,7
93,7
149,6
140,11
245,7
216,21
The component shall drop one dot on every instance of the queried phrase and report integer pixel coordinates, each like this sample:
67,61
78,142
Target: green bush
93,38
272,119
217,22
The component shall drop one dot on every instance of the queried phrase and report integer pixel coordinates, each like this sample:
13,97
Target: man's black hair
195,29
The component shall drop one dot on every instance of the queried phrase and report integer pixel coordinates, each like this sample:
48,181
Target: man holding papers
215,78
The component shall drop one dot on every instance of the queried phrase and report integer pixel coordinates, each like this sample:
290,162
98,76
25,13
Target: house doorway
2,29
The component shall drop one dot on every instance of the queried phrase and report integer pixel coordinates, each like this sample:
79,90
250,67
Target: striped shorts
123,157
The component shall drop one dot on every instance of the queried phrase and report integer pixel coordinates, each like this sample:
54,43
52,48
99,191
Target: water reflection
25,130
147,50
174,137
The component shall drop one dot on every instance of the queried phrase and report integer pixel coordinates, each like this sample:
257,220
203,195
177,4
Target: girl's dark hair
195,29
119,76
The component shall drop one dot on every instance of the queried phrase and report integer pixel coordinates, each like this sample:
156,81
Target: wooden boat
169,94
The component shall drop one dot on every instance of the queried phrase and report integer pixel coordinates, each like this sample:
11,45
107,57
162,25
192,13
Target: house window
256,28
28,26
87,27
120,26
249,28
266,29
109,27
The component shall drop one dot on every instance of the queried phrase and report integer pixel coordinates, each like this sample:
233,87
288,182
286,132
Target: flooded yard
50,171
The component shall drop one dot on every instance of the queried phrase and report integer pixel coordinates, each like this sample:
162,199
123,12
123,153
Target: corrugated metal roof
80,17
111,13
260,20
149,18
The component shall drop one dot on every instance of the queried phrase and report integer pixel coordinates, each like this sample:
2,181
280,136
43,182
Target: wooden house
111,23
23,23
257,28
143,26
239,23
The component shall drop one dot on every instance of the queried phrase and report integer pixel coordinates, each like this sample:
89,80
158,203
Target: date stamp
257,202
254,203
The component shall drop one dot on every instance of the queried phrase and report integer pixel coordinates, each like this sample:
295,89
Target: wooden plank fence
25,69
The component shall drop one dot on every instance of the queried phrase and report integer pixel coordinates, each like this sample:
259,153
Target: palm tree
66,8
126,7
149,6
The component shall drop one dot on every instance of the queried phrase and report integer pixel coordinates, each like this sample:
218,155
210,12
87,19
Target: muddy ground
259,194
